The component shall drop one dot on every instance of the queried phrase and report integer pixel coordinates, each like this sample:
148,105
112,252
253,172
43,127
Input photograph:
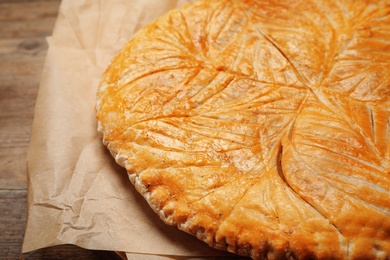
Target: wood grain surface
24,26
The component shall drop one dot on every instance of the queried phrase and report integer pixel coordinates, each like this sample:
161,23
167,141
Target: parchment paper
76,193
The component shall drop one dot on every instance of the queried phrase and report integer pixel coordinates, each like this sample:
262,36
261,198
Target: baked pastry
260,127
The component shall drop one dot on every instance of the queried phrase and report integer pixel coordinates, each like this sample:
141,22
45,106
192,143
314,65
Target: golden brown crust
261,127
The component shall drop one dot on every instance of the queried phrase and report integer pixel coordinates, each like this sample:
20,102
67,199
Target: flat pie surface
261,127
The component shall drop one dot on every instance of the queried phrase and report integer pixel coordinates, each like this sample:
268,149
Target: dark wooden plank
71,252
12,222
26,1
21,19
18,89
24,26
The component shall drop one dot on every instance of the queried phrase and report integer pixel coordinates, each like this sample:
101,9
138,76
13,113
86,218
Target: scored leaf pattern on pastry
260,127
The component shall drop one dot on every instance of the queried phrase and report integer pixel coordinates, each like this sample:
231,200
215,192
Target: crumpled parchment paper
77,194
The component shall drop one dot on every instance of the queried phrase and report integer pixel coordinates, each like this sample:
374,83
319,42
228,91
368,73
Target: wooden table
24,26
